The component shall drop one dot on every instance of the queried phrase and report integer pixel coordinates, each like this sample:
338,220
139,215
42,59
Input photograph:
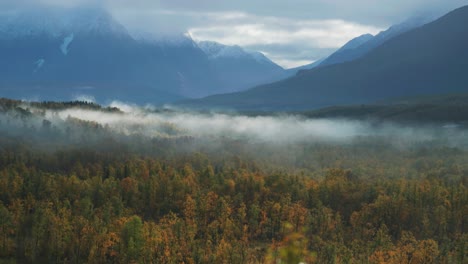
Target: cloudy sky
290,32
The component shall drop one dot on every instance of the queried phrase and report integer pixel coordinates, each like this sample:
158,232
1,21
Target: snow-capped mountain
60,54
216,50
247,68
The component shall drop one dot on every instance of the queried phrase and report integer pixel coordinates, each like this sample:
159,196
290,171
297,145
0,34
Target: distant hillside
362,45
432,59
433,109
236,69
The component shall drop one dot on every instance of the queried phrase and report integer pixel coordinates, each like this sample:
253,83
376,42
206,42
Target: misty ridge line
152,122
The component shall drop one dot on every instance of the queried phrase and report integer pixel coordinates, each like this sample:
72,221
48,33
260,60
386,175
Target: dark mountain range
62,54
361,45
431,59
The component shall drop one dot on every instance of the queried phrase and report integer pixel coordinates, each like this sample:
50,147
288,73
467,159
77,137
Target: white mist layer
270,129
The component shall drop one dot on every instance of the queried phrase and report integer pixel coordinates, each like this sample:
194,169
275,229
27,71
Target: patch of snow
210,48
216,50
66,43
39,63
232,52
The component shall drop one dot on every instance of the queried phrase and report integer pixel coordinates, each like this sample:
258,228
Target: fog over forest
147,166
176,131
273,128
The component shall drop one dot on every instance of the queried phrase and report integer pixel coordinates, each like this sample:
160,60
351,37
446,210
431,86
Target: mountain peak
427,60
408,24
363,44
217,50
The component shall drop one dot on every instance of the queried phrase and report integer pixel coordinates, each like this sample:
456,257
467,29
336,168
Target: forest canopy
82,183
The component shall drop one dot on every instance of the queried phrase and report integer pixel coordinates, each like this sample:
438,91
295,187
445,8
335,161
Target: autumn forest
80,183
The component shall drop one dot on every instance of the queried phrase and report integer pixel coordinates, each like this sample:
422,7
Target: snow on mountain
66,42
216,50
210,48
62,49
39,63
247,68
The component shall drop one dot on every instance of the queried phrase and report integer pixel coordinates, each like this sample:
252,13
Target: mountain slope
428,60
238,69
356,42
362,45
60,54
294,71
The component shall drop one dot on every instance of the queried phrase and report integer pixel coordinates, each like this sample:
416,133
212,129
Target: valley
234,132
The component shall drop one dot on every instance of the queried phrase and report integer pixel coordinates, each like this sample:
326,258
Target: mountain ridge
51,54
411,63
245,67
360,46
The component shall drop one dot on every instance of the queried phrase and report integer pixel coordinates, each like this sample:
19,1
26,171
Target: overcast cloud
290,32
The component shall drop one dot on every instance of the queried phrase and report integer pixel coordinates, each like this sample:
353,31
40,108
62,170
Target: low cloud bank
269,129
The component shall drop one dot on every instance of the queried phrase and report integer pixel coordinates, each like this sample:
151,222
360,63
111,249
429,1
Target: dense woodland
81,193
